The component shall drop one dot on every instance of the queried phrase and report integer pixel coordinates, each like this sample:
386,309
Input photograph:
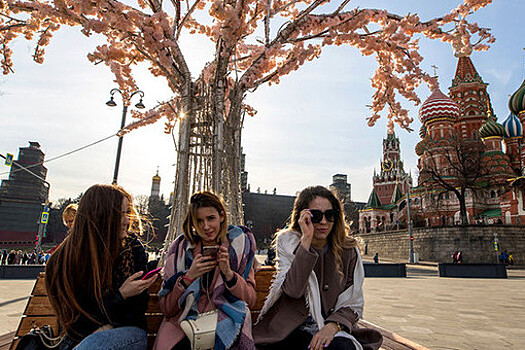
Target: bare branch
185,18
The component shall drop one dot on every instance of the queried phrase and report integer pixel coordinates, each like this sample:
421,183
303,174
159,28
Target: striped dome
517,100
438,105
491,129
512,126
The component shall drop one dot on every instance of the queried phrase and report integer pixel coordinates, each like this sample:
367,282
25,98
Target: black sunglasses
317,215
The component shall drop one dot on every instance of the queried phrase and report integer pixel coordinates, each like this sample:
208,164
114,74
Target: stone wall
437,244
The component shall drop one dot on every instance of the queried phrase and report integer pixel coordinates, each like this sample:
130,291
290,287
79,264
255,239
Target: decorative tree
256,42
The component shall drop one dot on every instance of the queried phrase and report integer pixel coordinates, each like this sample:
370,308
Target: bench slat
40,286
39,306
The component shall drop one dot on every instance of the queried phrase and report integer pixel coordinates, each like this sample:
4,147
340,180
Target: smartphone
210,251
152,273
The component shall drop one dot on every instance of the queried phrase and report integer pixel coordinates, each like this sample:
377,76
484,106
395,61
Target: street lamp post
411,249
125,104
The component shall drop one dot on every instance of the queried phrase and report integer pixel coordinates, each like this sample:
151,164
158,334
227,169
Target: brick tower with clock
392,182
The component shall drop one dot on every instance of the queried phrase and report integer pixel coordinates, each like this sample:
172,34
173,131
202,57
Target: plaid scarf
234,319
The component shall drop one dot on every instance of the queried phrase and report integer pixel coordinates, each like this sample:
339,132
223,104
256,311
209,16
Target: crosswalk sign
9,159
45,217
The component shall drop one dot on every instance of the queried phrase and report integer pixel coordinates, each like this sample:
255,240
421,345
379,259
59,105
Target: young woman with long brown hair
209,267
93,279
316,298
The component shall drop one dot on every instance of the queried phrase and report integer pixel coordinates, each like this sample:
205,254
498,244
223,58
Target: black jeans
299,340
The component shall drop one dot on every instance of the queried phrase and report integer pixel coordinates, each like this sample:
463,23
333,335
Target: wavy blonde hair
338,238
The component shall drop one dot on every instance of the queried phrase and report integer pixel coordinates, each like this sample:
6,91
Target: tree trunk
232,185
463,208
182,175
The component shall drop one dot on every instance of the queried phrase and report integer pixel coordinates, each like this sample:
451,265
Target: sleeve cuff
231,283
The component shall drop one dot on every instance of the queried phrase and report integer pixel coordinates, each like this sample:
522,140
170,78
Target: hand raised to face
307,228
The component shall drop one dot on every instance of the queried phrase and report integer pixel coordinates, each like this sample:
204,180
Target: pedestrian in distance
511,259
25,258
270,257
316,297
376,258
11,257
18,257
459,257
32,258
68,215
4,256
455,257
209,269
93,279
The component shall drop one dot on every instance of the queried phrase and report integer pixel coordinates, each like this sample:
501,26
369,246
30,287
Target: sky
308,128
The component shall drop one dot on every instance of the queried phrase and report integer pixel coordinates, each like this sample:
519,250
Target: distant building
343,190
22,198
265,214
341,187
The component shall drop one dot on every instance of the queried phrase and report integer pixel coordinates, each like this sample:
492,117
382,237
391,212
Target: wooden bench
39,312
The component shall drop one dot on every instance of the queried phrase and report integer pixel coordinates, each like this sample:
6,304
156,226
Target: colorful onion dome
438,105
491,129
517,100
512,126
423,131
420,147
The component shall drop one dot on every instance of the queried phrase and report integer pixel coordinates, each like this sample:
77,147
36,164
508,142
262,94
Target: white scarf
352,297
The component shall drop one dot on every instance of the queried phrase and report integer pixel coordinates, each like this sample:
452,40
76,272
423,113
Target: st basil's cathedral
464,151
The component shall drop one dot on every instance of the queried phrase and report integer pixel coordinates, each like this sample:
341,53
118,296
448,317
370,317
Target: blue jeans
132,338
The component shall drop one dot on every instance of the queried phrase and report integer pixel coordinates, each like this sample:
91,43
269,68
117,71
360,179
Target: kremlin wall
437,244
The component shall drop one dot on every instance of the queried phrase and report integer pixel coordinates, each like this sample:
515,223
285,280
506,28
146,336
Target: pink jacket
170,333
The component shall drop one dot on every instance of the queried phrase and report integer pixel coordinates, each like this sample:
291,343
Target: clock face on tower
387,165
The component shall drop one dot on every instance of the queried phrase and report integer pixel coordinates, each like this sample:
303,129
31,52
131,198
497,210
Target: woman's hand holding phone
200,265
223,258
307,228
134,285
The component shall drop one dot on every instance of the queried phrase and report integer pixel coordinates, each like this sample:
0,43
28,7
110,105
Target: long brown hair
338,238
84,262
203,199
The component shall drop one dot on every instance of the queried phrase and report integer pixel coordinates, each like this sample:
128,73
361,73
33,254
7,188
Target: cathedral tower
155,185
469,91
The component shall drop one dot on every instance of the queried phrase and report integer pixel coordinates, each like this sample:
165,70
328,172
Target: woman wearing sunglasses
317,297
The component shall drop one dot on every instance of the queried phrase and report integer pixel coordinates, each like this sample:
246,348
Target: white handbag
201,331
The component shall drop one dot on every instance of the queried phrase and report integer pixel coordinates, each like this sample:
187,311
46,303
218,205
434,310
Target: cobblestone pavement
440,313
450,313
